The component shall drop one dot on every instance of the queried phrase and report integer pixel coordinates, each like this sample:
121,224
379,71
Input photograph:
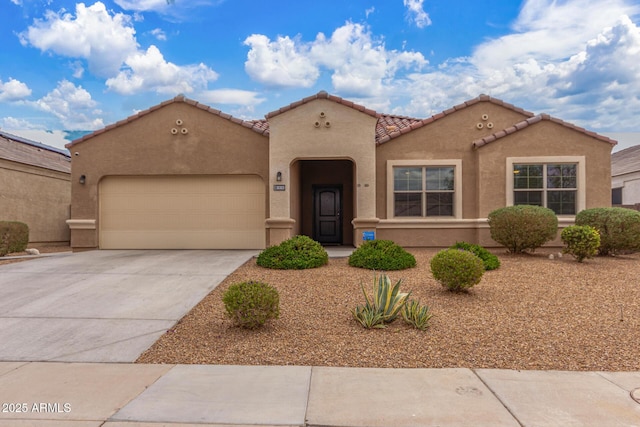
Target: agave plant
383,306
416,315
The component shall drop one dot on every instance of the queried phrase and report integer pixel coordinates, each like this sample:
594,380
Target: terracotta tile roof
389,126
417,123
533,120
250,124
625,161
25,151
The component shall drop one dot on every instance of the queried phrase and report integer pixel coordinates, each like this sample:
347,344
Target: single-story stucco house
184,175
35,188
625,177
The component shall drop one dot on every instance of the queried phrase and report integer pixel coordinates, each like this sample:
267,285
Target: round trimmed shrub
14,237
251,304
490,261
619,228
523,227
457,269
296,253
582,241
382,255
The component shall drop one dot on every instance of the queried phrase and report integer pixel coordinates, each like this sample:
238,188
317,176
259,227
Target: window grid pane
411,198
440,178
557,184
408,204
407,179
439,204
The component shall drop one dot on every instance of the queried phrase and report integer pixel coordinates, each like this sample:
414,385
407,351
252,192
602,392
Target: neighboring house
625,177
35,188
183,175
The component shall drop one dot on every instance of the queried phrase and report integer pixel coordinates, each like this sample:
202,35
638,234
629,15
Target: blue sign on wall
368,235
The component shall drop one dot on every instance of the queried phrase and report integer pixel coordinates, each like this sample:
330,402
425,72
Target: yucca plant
416,315
383,306
368,318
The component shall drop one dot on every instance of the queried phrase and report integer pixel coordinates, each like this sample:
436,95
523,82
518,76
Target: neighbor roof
22,150
625,161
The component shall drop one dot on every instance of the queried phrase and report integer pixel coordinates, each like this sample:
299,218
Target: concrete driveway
102,306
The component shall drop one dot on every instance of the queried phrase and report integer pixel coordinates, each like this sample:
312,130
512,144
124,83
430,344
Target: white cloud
13,90
107,41
231,97
17,2
359,64
416,13
283,62
550,31
143,5
576,59
13,123
93,34
159,34
73,106
149,71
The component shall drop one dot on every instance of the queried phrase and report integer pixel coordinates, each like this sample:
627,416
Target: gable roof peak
256,126
322,95
536,119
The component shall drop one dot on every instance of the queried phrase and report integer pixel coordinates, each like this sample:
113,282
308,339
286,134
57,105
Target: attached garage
182,212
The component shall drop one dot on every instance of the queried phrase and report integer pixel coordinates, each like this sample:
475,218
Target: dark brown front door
327,214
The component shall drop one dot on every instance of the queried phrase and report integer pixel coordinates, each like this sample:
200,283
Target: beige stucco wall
146,146
448,138
553,141
38,197
294,136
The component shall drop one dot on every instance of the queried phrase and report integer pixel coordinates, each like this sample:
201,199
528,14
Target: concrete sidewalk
127,395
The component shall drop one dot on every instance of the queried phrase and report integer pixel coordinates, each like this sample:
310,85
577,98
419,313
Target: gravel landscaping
531,313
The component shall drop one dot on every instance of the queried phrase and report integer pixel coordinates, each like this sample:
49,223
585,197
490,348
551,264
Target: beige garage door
182,212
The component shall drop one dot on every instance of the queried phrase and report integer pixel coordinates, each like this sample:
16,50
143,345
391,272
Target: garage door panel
181,212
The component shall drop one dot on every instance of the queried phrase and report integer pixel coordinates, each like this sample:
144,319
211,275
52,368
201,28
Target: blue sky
68,66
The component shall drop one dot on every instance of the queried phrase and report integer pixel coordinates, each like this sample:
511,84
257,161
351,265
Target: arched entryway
322,199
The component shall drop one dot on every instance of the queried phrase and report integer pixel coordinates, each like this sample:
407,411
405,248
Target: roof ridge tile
537,119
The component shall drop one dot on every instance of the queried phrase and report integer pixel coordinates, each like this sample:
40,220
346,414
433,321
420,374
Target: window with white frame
424,191
552,185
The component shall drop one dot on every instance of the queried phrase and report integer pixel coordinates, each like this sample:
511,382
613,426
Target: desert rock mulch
531,313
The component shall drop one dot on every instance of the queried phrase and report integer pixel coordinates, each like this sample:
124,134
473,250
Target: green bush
381,255
251,304
619,228
14,237
296,253
523,227
383,306
490,261
582,241
456,269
